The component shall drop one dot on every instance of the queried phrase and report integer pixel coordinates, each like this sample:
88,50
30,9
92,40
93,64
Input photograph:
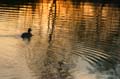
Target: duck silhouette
27,35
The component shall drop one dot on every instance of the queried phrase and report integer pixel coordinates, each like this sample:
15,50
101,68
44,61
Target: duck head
29,29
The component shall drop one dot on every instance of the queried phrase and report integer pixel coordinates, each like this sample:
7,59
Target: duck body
27,35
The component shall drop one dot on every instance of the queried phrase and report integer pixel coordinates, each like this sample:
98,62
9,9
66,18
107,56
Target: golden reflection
104,12
88,9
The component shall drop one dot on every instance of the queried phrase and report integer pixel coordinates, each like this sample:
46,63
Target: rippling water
70,41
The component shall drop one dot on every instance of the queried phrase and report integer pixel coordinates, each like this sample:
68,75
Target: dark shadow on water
17,2
113,3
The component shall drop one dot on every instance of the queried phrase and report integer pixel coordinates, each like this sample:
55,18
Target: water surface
71,41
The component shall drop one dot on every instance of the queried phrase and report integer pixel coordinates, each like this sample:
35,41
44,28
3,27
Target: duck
27,35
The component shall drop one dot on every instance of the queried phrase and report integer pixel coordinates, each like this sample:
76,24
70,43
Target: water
71,40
